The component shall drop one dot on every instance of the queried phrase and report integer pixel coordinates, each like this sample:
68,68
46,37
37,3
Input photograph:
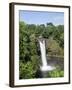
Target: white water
45,66
43,52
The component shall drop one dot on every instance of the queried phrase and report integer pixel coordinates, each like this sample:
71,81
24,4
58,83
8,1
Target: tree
28,51
54,48
50,24
59,35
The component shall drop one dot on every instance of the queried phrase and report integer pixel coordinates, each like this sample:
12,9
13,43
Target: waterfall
43,52
45,66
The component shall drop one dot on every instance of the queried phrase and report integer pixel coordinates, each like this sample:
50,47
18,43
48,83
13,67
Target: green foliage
29,69
26,70
59,35
56,73
29,51
54,48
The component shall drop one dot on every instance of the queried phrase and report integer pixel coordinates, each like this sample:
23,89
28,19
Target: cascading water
43,52
45,66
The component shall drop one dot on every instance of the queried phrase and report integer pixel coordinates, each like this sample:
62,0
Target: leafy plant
56,73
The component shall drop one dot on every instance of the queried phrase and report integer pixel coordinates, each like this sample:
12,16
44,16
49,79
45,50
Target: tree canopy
29,47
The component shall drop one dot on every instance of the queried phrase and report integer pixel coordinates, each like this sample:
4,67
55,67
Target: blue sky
41,17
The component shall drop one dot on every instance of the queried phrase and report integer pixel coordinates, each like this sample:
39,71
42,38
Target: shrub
56,73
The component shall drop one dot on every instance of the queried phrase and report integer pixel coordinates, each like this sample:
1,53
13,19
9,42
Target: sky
41,17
